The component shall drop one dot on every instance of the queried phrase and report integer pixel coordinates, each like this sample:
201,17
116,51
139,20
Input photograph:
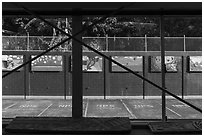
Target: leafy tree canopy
122,26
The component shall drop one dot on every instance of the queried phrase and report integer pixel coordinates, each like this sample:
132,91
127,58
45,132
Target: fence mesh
103,44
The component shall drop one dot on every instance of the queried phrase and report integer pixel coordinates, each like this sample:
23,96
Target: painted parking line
171,114
132,115
44,110
144,109
184,110
196,102
7,103
132,108
25,108
106,108
13,104
61,108
86,109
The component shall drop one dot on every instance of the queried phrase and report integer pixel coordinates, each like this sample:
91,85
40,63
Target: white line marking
44,110
10,106
86,110
186,104
173,112
128,109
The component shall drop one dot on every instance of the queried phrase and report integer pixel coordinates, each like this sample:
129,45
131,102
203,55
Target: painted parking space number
104,106
143,106
180,106
28,106
65,106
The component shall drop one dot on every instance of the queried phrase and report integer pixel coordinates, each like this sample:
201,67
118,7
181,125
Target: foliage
120,26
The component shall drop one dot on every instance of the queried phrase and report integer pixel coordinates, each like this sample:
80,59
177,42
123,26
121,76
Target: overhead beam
187,12
105,5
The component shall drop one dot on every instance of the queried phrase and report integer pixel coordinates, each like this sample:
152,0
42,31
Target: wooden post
77,86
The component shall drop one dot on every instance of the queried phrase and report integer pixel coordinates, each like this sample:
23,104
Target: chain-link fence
104,43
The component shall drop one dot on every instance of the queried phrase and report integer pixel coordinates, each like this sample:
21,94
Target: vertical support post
106,49
144,71
26,76
183,66
70,73
182,72
163,68
28,42
184,43
145,43
128,43
114,43
107,77
145,64
65,71
184,75
104,78
77,86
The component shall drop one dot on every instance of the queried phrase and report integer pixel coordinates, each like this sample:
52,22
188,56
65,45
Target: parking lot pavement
132,108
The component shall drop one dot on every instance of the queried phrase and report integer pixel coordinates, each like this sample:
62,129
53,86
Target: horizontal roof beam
102,8
102,12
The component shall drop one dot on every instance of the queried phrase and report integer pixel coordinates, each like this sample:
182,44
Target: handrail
108,58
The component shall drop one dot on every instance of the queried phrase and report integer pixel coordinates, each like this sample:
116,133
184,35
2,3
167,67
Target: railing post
114,44
163,68
106,48
145,42
77,86
184,43
28,42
